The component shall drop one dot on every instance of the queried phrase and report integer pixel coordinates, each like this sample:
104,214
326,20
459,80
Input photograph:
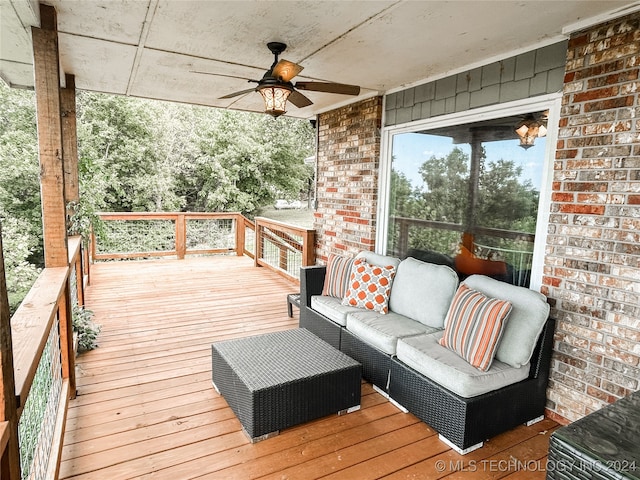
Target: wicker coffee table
277,380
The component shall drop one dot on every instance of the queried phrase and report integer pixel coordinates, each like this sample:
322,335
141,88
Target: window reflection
467,196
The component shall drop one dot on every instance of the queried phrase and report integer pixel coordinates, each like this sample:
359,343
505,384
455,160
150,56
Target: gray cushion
382,331
332,308
423,291
424,354
378,260
526,320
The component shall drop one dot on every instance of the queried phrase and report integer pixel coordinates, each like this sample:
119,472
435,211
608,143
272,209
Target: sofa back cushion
423,291
379,260
529,313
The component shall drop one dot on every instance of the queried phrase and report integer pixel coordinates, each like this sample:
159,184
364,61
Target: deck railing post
240,232
259,242
181,236
65,318
308,249
283,259
79,276
9,453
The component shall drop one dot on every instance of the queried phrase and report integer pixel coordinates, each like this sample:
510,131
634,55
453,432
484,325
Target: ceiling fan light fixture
275,99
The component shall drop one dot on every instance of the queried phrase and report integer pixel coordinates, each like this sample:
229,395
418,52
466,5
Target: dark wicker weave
601,446
280,379
468,421
375,364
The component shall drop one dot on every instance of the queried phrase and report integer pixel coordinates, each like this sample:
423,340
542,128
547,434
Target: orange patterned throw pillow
474,325
369,286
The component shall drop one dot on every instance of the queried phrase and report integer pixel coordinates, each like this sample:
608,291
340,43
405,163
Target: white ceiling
153,48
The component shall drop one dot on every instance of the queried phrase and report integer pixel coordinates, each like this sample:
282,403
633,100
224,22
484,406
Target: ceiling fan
276,87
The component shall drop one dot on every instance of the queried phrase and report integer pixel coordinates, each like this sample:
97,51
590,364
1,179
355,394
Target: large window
467,195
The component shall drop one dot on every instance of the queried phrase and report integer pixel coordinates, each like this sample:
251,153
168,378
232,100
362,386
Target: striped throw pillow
337,275
474,325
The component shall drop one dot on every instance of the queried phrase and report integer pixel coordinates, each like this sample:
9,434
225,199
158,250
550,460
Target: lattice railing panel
137,236
206,234
38,418
282,250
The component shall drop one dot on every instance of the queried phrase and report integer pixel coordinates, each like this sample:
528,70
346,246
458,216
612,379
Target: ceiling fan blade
286,70
237,94
299,100
341,88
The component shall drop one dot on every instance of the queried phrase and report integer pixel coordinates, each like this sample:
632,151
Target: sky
411,150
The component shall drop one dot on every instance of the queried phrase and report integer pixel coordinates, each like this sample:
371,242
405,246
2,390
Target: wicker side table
604,445
277,380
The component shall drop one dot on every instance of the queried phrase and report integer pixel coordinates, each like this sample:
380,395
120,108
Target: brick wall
347,181
592,271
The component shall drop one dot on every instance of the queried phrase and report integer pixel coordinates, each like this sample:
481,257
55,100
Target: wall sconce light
528,129
275,98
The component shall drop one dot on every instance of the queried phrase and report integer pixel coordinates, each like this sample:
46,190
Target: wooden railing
282,247
404,223
42,339
166,234
516,248
278,246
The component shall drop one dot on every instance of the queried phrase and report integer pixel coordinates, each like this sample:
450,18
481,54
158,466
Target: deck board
146,408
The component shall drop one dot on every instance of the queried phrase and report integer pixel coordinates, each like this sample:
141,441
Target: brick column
347,183
592,270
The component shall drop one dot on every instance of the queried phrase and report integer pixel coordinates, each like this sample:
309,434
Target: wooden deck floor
146,407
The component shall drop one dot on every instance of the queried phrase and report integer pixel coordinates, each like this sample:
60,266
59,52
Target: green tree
19,170
446,182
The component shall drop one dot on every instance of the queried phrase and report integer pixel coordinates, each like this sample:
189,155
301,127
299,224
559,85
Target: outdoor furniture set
470,358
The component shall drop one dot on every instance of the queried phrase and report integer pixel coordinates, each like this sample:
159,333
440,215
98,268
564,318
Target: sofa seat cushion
528,316
424,354
332,308
423,291
382,331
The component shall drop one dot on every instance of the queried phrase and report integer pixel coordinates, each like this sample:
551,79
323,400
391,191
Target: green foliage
18,246
504,202
83,219
138,155
86,329
19,170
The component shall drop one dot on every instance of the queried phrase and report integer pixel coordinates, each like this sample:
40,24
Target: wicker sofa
401,355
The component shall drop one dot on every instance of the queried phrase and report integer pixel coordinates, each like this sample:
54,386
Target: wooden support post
46,67
240,232
47,85
70,140
10,456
